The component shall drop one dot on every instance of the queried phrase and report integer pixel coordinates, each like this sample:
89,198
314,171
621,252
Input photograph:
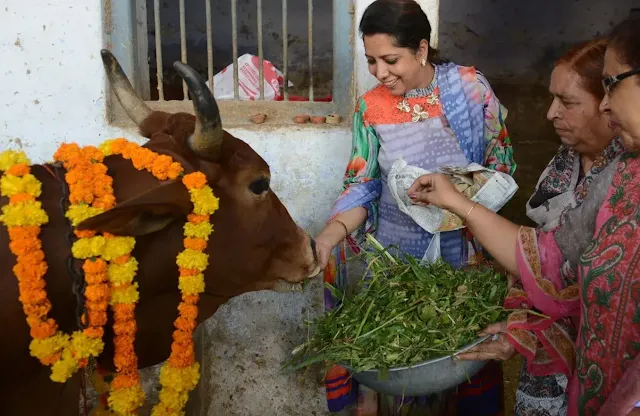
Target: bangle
346,231
466,217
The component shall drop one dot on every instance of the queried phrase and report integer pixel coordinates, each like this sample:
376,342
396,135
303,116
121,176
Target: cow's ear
147,213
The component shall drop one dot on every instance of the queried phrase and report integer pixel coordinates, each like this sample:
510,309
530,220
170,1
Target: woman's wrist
460,205
334,232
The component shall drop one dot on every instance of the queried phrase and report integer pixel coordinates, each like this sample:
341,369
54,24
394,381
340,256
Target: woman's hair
587,60
625,40
403,20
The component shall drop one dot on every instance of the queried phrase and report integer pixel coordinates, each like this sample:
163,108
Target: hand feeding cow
256,244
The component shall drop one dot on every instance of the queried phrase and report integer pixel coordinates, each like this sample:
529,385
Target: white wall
52,89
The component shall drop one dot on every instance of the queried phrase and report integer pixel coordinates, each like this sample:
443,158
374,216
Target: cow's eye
259,186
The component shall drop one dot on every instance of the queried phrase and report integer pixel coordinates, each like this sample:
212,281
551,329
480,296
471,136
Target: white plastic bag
248,80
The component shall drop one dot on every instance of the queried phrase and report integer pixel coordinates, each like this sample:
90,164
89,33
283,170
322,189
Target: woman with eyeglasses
587,269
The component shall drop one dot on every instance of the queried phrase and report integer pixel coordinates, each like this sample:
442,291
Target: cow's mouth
285,286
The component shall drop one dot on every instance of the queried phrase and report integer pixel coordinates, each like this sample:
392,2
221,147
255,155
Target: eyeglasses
610,82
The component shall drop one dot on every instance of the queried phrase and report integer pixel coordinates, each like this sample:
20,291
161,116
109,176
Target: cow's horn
133,105
207,137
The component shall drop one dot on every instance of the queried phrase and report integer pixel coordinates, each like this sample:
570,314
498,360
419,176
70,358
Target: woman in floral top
430,113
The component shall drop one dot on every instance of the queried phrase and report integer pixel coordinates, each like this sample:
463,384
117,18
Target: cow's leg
40,396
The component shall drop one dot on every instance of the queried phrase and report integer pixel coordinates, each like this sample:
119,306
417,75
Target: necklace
418,112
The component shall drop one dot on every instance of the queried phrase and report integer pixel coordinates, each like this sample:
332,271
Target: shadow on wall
515,44
196,39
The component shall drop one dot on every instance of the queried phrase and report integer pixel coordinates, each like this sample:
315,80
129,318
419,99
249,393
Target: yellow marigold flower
27,184
204,202
9,158
126,401
49,346
180,378
80,212
24,213
64,368
128,294
88,247
171,402
201,230
123,273
105,147
117,247
191,285
84,346
192,259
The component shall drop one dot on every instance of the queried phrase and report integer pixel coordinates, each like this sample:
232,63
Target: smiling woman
430,113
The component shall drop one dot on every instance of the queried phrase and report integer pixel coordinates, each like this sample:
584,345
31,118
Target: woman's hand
500,349
436,189
323,248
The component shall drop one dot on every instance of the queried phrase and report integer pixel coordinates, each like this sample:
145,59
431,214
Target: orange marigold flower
195,180
106,202
125,380
187,272
195,243
185,324
24,247
97,291
51,359
84,233
17,198
124,328
66,152
37,311
94,332
175,169
20,233
92,153
160,167
122,259
143,158
182,337
124,311
94,266
95,278
99,169
188,311
32,285
197,219
32,258
35,296
97,318
117,146
25,271
42,329
19,169
190,299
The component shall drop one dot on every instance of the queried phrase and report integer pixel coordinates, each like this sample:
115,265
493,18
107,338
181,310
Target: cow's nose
313,249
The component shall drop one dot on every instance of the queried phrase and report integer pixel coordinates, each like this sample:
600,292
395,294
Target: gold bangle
466,217
346,230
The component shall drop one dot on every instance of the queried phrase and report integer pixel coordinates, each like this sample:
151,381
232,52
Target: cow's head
255,244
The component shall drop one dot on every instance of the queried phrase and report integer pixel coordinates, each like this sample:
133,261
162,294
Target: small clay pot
334,119
318,119
301,118
258,118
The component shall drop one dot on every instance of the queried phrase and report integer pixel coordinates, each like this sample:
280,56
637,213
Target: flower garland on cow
109,270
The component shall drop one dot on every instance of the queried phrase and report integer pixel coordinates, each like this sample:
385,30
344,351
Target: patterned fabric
560,187
563,186
464,123
605,297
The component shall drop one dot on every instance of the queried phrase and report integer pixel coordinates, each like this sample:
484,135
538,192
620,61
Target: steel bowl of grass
399,330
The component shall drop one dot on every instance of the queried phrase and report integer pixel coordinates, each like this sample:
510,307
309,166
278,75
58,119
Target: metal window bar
156,15
234,45
310,18
260,52
183,47
285,50
209,44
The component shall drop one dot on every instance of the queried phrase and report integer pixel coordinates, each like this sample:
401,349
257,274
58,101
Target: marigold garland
109,270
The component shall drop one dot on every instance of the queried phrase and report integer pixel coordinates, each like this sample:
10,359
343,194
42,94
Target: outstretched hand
434,189
495,348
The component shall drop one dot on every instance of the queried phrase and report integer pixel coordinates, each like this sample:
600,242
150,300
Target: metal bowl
433,376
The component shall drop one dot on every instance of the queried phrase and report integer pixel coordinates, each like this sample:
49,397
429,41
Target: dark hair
625,40
587,60
403,20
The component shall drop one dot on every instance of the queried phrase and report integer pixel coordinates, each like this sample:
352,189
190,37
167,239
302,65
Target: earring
423,62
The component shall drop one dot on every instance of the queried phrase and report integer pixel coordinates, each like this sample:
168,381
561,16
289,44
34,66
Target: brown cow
255,244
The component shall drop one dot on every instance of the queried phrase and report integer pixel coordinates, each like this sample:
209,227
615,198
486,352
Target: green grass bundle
403,314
